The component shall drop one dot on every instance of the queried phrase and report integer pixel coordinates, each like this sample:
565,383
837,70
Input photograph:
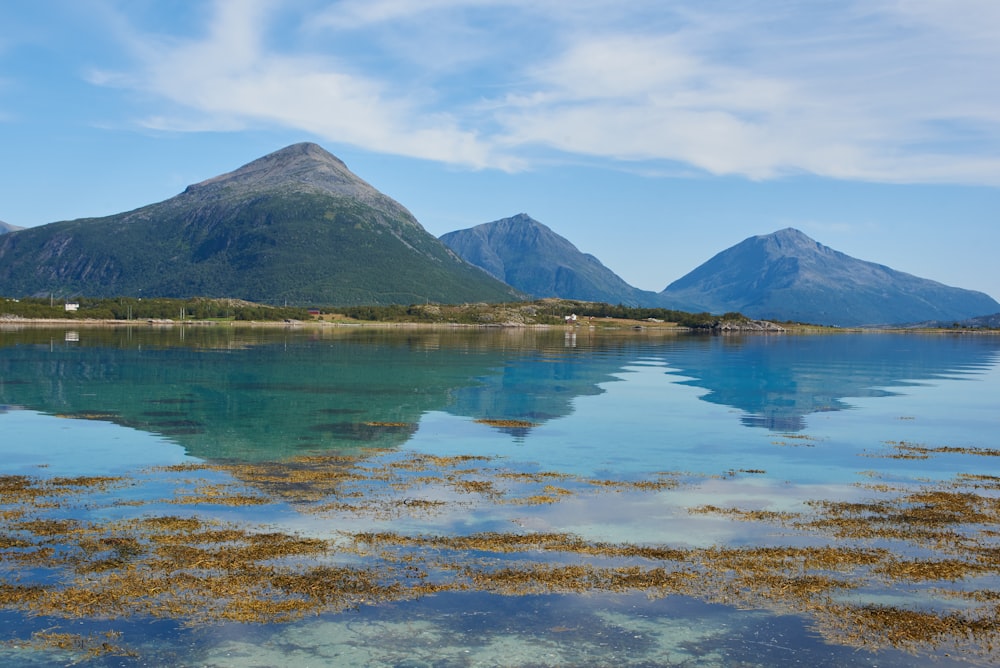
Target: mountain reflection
247,394
776,381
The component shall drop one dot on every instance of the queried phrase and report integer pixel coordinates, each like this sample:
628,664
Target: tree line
548,312
134,308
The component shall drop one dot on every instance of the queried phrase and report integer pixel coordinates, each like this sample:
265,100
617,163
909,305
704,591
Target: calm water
814,500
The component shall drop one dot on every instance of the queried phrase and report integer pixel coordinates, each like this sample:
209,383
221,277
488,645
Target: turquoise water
778,424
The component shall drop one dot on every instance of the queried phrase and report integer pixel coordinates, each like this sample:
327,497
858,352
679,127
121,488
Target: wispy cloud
229,79
905,91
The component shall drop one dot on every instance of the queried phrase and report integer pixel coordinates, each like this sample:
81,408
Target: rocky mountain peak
788,241
524,226
521,219
304,166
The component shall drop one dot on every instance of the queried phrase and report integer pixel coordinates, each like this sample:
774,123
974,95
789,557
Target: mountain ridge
302,167
532,258
295,225
787,275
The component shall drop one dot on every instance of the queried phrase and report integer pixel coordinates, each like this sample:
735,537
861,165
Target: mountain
788,276
7,227
529,256
296,225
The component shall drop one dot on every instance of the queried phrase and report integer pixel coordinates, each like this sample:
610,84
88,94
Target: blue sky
652,134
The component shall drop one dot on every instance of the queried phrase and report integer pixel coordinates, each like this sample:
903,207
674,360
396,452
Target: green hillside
295,226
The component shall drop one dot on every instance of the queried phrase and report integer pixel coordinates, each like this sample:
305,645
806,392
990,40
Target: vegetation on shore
132,308
540,312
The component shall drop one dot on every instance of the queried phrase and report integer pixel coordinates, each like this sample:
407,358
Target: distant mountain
7,227
788,276
295,226
529,256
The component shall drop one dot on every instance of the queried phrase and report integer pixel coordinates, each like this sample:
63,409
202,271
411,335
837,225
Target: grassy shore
544,313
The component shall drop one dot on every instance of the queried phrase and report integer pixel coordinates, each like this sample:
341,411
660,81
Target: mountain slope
788,276
7,227
295,226
529,256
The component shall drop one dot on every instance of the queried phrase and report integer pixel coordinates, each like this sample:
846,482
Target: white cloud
972,24
359,13
886,91
230,80
764,94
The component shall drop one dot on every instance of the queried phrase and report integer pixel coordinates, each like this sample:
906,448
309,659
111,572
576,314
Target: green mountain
294,226
788,276
526,254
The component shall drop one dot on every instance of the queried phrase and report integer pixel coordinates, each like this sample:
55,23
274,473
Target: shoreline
289,324
10,323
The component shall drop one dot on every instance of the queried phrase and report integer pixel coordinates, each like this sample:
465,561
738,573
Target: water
414,497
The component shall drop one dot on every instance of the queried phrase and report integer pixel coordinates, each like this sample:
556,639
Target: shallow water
823,500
